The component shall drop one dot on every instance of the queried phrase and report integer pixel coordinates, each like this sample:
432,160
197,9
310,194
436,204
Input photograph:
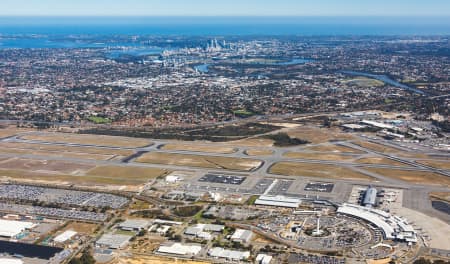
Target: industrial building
242,236
279,200
231,255
113,241
134,225
65,236
10,229
180,249
263,259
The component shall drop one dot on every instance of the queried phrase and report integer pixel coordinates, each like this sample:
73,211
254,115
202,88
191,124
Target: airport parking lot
61,196
223,178
319,187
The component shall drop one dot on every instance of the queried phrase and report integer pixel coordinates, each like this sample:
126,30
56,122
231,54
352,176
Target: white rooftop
10,261
65,236
10,228
180,249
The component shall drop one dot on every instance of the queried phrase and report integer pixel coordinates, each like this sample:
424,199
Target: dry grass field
200,161
318,135
52,166
89,139
335,149
259,152
155,260
317,156
76,173
11,131
445,196
128,172
380,160
56,148
212,148
80,227
75,155
252,142
365,82
417,177
377,147
316,170
439,164
390,150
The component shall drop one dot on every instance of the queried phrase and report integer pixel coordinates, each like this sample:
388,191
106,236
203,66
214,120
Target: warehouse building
279,201
113,241
10,229
180,249
230,255
134,225
65,236
242,236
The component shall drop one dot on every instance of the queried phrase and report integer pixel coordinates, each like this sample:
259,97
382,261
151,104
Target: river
385,79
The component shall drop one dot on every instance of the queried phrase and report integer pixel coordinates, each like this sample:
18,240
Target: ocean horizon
196,26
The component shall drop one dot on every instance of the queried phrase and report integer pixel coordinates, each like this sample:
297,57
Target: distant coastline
195,26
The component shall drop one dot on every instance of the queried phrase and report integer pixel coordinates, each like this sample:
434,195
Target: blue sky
224,8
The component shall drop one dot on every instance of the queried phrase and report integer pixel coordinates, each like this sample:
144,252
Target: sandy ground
445,165
316,170
252,142
11,131
319,135
89,139
380,160
418,177
200,161
126,172
213,148
45,166
441,196
259,152
435,228
317,156
57,154
335,148
155,260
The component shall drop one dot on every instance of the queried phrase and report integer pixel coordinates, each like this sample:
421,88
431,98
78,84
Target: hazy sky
225,7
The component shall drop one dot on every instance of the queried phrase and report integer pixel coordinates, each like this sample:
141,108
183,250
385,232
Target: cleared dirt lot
445,165
56,154
319,135
212,148
316,170
335,148
259,152
380,160
418,177
56,148
60,171
252,142
45,165
390,150
155,260
317,156
10,131
80,227
200,161
445,196
132,173
89,139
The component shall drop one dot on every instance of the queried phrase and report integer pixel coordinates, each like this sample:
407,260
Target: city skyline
224,8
